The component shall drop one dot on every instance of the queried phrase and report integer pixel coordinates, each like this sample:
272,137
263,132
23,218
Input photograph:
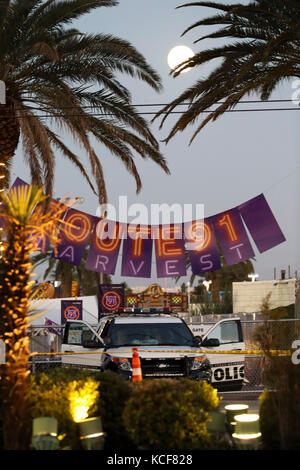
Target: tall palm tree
58,78
265,51
22,224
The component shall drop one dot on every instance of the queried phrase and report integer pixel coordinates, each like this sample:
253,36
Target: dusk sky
240,156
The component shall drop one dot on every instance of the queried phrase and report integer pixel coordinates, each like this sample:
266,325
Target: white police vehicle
166,345
225,335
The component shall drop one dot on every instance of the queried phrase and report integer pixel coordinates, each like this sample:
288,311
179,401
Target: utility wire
146,105
49,116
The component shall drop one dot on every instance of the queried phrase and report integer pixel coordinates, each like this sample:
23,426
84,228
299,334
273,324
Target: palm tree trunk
14,297
66,280
215,288
9,139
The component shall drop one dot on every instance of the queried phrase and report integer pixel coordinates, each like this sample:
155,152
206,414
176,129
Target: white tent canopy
50,309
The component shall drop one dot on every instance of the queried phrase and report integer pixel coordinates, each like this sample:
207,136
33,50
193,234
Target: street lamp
207,284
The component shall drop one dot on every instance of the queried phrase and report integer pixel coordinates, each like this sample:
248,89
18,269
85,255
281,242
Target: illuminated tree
24,218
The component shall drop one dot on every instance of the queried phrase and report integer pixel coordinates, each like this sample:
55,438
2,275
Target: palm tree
88,281
58,78
22,224
264,52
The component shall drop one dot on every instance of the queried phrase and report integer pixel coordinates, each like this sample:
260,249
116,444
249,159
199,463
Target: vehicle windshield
150,334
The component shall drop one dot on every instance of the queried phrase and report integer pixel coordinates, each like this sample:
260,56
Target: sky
234,159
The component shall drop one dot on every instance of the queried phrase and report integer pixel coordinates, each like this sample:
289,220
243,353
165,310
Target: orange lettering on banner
166,245
137,237
202,241
77,233
227,223
108,243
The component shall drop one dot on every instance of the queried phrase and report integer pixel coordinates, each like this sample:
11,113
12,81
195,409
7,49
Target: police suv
166,345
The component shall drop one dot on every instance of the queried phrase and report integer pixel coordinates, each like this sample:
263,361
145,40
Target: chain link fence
281,333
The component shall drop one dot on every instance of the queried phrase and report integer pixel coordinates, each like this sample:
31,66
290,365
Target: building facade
248,296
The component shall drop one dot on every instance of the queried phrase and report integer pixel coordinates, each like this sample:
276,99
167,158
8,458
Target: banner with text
111,298
203,240
137,251
170,251
201,246
105,246
74,235
232,237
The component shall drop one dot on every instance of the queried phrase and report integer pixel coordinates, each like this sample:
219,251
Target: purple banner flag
18,182
56,331
74,235
201,245
232,237
105,246
137,251
261,223
111,298
71,310
169,248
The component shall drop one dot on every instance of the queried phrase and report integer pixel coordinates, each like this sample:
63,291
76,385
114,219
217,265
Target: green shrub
50,396
114,393
269,423
170,414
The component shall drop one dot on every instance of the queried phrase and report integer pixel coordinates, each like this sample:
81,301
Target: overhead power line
142,105
61,115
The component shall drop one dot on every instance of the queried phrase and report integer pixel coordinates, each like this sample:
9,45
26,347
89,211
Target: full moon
179,54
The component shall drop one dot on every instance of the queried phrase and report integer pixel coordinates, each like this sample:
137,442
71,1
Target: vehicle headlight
122,363
198,362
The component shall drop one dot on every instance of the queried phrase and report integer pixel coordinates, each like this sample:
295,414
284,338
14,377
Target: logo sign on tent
110,299
71,310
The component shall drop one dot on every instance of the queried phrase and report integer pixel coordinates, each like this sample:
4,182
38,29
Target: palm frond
265,51
53,68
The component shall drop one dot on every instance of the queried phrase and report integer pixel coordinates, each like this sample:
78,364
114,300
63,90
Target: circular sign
71,312
111,300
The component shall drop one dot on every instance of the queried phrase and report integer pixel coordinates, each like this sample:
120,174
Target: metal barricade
47,341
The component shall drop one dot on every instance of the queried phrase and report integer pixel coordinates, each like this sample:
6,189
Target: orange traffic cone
136,366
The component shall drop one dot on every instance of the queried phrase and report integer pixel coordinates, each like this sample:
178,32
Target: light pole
207,284
189,295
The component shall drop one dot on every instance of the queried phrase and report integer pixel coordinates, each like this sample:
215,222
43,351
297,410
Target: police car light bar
147,311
